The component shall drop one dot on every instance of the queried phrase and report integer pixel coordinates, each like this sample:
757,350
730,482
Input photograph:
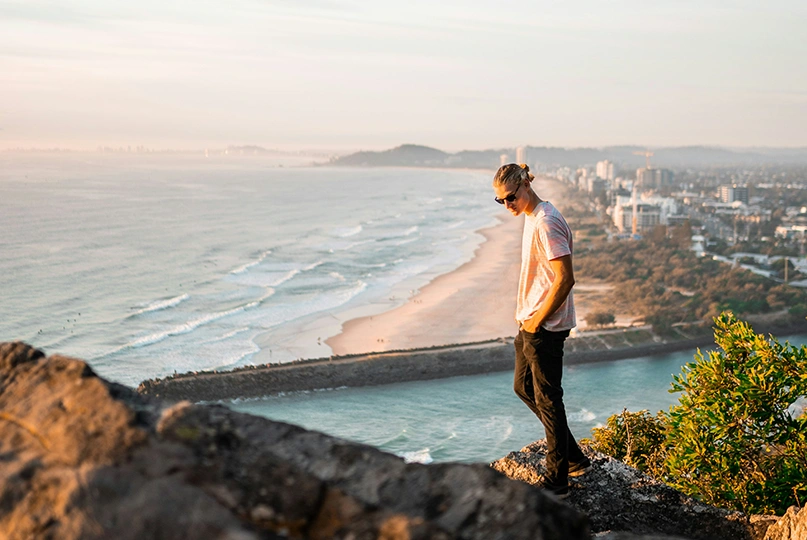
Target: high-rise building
521,154
650,211
647,217
731,193
646,178
504,159
666,178
654,178
605,170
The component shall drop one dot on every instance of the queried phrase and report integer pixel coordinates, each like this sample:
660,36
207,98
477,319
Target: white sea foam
243,268
287,276
337,276
268,279
411,230
228,335
356,244
285,313
344,232
312,266
235,356
418,456
407,241
455,224
344,246
162,304
189,326
507,432
583,415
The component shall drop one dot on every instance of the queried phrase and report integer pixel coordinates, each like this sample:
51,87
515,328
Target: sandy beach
474,303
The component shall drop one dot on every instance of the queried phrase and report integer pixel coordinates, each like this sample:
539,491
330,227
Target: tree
635,438
600,318
659,234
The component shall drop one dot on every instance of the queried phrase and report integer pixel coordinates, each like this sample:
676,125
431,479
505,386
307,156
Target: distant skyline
342,75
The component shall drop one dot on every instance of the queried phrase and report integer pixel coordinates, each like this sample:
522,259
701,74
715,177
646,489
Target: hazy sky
374,74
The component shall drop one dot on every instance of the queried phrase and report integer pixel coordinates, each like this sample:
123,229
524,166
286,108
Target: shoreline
451,327
474,302
420,310
381,368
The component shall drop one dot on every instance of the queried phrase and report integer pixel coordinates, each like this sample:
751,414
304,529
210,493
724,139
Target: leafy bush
732,440
634,438
600,318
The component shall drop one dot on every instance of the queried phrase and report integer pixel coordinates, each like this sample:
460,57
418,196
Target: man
545,314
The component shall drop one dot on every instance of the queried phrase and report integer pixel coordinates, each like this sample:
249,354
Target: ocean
150,265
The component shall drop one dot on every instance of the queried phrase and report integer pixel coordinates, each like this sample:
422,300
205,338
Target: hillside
412,155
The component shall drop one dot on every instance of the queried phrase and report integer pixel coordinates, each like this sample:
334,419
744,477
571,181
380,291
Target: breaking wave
162,304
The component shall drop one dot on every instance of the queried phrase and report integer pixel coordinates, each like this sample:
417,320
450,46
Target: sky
350,75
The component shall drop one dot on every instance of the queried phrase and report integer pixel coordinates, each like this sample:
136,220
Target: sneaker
579,469
561,491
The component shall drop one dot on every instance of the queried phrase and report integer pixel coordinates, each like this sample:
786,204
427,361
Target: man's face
514,191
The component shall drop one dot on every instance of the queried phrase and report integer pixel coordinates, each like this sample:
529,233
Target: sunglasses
510,198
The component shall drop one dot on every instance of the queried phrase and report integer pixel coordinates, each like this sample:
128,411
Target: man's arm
558,292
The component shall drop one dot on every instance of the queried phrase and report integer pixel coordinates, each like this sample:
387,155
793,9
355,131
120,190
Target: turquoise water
476,418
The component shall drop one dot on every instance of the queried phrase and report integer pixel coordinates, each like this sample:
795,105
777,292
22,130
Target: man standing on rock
545,315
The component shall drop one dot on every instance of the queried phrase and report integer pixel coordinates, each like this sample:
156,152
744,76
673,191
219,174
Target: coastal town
753,217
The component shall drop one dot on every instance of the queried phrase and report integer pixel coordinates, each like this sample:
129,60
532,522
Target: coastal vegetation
600,318
737,438
663,282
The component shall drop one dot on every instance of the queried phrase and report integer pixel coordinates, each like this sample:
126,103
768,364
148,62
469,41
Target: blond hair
512,173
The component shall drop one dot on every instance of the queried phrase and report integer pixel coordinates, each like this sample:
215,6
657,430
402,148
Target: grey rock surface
81,457
620,499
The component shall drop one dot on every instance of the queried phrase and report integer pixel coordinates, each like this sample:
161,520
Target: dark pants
538,373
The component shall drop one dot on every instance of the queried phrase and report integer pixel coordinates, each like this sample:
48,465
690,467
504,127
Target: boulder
791,526
81,457
620,499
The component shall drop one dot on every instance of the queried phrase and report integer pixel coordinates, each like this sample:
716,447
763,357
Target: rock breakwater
376,369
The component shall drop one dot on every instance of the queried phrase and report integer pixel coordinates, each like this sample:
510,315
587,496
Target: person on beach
545,315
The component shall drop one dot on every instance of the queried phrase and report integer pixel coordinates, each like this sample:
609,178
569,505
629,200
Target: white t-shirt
546,237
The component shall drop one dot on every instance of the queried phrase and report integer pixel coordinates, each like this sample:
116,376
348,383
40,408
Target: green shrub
600,318
732,440
799,311
634,438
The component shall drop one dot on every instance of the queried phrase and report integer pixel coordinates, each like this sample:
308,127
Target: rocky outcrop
791,526
616,497
81,457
